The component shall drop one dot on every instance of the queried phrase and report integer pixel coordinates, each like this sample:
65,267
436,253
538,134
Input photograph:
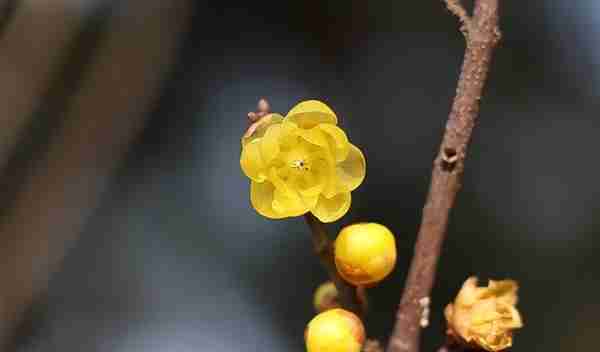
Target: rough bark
482,34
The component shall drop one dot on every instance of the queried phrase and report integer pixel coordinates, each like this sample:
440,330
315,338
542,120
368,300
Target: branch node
449,156
497,35
424,303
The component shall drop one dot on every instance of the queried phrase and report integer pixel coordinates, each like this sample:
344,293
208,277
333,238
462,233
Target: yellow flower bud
335,330
484,317
365,253
326,297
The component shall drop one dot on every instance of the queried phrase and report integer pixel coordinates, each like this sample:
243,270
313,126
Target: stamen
300,164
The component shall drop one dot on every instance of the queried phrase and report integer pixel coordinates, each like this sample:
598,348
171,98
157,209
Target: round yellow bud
326,297
365,253
335,330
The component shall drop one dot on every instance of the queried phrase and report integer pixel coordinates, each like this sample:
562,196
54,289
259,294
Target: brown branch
324,250
482,35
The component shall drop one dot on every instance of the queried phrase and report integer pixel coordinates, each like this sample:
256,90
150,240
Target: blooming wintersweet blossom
484,317
301,162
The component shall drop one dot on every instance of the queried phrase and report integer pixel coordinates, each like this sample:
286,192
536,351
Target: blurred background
125,222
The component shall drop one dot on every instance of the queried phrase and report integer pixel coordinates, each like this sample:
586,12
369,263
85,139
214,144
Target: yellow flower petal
310,113
289,136
258,129
505,290
261,196
288,206
351,172
252,163
515,321
331,209
332,184
485,316
468,294
313,182
338,141
286,200
278,182
269,143
309,201
314,136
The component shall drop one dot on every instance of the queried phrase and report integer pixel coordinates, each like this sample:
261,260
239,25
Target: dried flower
484,317
335,330
301,163
365,253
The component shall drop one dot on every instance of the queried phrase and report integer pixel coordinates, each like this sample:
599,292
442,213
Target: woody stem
482,34
324,249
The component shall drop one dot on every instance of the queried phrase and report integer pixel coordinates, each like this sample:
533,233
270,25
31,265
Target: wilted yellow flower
484,316
335,330
301,163
365,253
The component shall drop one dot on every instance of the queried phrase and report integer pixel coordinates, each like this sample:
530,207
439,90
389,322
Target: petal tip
310,113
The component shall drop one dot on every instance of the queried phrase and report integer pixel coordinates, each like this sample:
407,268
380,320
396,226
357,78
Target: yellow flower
335,330
484,317
301,163
365,253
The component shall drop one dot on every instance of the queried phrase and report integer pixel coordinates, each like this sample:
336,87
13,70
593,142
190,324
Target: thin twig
458,10
455,6
324,250
482,37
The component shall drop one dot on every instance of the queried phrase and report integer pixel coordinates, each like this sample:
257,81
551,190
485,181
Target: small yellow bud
365,253
484,317
326,297
335,330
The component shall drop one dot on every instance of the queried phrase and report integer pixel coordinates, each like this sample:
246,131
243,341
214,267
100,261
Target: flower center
300,164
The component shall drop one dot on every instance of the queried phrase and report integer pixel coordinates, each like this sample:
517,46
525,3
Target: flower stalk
323,247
